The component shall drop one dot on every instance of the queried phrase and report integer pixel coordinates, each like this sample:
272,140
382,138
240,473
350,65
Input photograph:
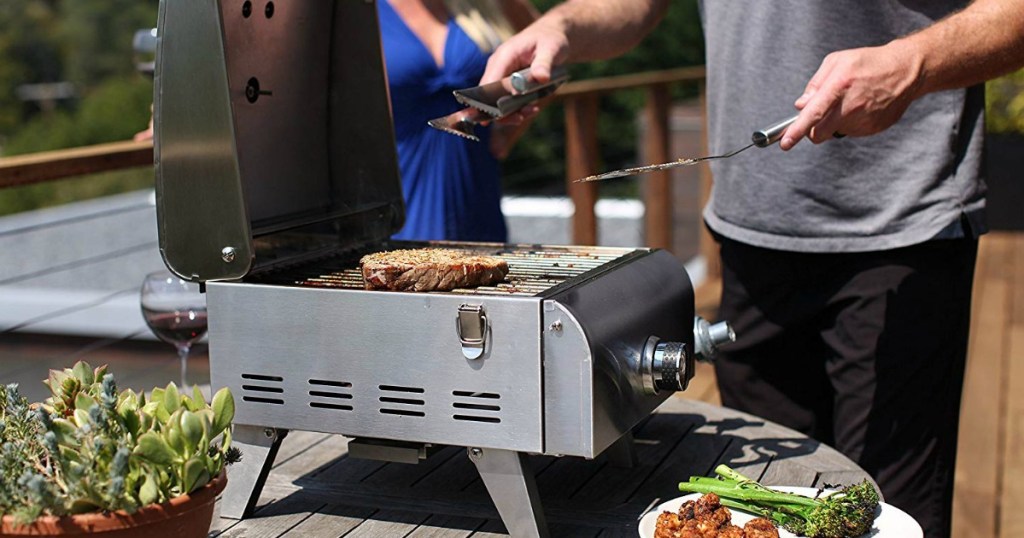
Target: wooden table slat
388,524
332,520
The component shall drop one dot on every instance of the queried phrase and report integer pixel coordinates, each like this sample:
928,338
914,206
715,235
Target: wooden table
315,489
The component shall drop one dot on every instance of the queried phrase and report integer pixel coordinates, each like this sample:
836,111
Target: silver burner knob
665,366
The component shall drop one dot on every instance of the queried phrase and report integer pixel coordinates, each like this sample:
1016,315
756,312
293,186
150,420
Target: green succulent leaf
84,401
154,449
191,429
151,407
145,423
149,493
81,417
160,413
172,399
195,475
223,411
83,372
65,431
157,395
197,396
175,439
55,382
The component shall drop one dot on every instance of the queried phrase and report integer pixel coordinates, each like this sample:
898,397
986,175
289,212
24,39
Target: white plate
891,522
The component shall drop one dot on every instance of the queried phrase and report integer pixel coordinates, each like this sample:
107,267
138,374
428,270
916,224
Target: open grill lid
273,138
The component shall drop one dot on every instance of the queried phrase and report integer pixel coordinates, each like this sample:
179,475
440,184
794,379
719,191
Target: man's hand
860,92
857,92
575,31
540,46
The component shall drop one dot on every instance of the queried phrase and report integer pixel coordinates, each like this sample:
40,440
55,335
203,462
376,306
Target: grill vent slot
264,389
402,401
330,394
477,406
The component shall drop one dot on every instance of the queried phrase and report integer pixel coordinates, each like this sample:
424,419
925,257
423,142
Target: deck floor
990,468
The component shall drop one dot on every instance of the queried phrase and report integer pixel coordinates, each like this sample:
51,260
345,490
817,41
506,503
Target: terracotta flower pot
188,516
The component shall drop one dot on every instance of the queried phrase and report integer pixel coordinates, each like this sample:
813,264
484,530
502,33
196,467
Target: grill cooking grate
532,270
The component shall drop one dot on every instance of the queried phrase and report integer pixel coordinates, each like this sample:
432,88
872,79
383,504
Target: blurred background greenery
86,46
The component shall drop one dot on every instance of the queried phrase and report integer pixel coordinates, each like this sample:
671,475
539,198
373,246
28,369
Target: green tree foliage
1004,104
114,110
85,42
97,37
28,54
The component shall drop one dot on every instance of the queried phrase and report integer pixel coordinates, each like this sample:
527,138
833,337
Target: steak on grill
430,269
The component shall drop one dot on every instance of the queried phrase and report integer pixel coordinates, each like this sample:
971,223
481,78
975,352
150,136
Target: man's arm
864,91
576,31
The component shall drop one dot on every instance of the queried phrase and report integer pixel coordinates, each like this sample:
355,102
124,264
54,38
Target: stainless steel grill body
559,373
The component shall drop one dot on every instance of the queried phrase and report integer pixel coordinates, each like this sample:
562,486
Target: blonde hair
484,21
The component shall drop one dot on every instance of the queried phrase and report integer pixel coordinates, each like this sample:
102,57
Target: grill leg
245,479
513,490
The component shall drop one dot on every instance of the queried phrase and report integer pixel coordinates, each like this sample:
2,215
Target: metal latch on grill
471,326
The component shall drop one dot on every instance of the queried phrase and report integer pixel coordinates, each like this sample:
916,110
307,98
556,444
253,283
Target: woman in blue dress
451,185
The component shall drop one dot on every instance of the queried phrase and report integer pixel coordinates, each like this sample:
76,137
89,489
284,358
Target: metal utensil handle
770,135
523,83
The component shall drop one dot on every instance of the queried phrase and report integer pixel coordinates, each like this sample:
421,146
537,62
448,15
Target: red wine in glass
175,311
176,328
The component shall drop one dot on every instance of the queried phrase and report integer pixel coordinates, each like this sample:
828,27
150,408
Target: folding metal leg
246,478
622,453
513,490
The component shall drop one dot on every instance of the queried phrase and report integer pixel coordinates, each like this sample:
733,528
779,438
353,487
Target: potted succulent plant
90,460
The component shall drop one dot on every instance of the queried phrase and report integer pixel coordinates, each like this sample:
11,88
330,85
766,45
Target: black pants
865,352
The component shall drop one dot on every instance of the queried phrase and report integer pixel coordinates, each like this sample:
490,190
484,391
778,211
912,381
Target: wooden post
658,192
581,161
708,246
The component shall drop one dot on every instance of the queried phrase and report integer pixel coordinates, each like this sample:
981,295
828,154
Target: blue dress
451,185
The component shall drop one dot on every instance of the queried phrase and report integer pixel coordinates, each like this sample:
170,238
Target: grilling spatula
762,139
493,101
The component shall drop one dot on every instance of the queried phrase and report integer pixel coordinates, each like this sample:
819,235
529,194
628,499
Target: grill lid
273,134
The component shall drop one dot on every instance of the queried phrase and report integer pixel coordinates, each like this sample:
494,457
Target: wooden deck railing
582,114
68,163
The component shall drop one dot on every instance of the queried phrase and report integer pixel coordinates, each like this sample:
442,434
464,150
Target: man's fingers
819,78
826,128
817,106
502,63
543,60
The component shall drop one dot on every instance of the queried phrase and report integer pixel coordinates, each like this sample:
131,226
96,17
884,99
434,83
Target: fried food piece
669,526
760,528
707,518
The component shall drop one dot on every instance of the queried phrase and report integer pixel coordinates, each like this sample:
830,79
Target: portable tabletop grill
276,172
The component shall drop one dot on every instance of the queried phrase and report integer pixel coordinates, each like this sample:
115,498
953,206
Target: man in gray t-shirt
847,267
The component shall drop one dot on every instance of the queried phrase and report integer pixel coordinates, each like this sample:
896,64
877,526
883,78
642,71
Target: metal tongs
493,101
762,139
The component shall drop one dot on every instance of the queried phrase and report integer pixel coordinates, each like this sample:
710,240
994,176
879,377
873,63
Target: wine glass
175,311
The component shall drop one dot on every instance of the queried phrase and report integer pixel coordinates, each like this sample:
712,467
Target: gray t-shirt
901,187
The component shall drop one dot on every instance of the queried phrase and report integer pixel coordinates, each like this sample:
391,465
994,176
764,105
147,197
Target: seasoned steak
430,269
